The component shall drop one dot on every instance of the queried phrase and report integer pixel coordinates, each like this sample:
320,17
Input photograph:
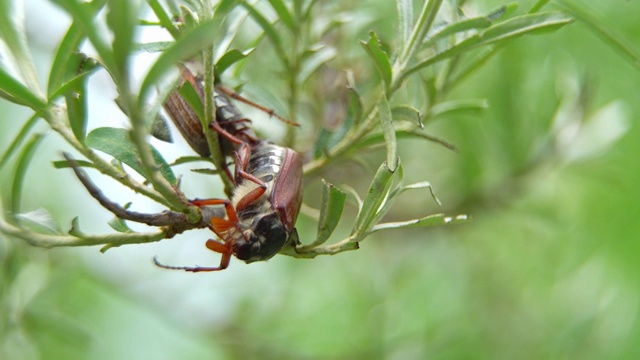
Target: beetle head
262,240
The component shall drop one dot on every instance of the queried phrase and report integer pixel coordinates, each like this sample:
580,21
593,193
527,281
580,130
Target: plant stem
56,117
213,139
420,30
138,133
49,241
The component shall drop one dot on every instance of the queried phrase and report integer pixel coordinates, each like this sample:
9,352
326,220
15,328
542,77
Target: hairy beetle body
266,220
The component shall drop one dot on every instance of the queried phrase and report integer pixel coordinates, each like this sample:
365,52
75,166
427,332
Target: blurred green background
548,268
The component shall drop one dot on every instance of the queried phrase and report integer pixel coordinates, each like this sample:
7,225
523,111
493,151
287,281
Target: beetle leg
218,225
231,212
242,162
220,130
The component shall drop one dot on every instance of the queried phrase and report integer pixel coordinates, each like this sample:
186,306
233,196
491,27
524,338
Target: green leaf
192,96
41,220
378,191
526,24
83,14
538,5
24,160
470,106
379,57
421,185
431,220
333,200
229,58
285,15
13,35
77,77
160,129
120,225
405,19
402,133
69,45
615,41
480,22
122,18
184,48
354,108
75,92
63,164
77,111
75,228
386,123
225,6
268,29
154,47
321,146
16,92
117,143
312,63
163,17
499,33
408,113
18,140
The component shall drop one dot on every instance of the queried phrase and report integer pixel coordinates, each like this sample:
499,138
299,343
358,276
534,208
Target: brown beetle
262,212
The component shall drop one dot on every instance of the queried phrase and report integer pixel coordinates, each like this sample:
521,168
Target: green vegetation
519,115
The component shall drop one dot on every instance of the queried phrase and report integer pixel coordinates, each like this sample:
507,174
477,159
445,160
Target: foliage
396,85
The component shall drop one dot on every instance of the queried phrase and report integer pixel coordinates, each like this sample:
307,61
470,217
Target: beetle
228,116
261,215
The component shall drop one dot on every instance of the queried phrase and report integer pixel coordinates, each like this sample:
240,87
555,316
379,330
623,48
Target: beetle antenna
185,268
270,112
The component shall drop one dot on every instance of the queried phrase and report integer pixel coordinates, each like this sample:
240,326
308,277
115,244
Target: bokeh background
548,268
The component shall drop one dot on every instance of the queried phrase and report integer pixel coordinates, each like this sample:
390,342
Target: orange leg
228,207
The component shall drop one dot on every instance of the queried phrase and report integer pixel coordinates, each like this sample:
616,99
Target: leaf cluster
434,49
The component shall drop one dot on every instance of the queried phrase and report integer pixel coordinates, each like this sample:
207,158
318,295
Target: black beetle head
262,241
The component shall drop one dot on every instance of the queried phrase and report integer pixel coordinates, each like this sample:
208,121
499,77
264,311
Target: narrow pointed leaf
405,19
184,48
431,220
468,106
154,47
229,58
13,34
117,143
315,61
333,200
76,92
17,185
480,22
267,27
379,57
122,18
40,220
408,113
284,14
18,93
69,45
515,27
83,14
389,132
628,50
18,140
376,196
